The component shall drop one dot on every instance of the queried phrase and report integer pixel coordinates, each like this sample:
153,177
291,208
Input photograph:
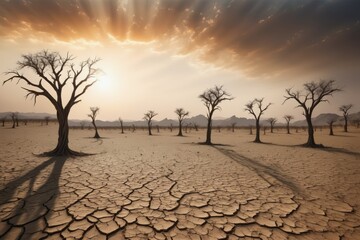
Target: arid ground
166,187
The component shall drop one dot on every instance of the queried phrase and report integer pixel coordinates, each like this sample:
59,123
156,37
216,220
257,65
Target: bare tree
196,127
54,73
121,125
148,117
211,99
250,108
315,93
331,122
345,110
272,122
3,120
47,118
92,115
13,118
288,118
82,125
181,113
233,124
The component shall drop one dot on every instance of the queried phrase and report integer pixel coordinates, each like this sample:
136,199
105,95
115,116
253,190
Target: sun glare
104,82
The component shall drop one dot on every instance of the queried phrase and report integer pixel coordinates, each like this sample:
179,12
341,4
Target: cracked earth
166,187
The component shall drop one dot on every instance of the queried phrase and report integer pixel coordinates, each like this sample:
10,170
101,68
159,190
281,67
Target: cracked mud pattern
166,188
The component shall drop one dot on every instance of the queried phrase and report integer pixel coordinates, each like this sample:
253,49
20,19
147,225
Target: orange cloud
259,37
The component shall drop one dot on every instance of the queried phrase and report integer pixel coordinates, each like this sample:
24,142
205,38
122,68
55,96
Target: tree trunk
122,128
96,131
331,129
180,129
346,124
149,128
257,138
288,127
13,126
208,131
62,147
271,128
311,140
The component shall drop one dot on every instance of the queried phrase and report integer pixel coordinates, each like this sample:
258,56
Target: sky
162,54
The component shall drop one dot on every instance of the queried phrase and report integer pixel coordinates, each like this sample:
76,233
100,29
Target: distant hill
324,118
28,115
199,120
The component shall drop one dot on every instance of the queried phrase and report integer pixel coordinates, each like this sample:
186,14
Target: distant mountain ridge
200,120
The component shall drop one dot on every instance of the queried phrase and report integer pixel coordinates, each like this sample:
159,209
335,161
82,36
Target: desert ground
137,186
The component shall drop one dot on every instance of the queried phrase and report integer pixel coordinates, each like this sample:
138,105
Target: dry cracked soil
168,187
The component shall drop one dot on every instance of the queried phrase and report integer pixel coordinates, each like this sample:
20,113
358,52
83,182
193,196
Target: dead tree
345,110
181,113
272,122
3,120
233,126
82,125
331,122
148,118
315,93
121,125
13,118
17,119
211,99
196,127
54,72
288,118
250,108
47,118
92,115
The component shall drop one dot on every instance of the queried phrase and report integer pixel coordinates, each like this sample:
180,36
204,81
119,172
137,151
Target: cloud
257,37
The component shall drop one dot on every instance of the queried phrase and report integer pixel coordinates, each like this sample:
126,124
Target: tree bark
62,147
257,138
96,131
331,129
288,127
346,124
208,131
311,140
149,128
180,129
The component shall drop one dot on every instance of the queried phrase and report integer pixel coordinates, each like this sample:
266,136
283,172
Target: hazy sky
160,55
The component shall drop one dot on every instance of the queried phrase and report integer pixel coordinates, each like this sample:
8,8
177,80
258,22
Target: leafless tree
272,122
196,127
257,114
331,122
181,113
47,118
288,118
82,125
148,118
93,115
211,99
13,118
54,72
345,110
121,125
3,120
233,126
315,93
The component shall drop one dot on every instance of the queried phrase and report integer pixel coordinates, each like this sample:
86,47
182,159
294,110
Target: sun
104,82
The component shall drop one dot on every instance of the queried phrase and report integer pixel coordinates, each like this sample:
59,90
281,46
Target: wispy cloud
260,37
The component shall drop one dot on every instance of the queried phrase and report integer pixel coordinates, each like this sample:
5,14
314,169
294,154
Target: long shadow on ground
261,169
23,208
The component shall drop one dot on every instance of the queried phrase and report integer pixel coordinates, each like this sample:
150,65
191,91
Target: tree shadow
320,148
261,169
27,206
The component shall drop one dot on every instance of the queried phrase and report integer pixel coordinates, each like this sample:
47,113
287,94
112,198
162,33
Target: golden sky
162,54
